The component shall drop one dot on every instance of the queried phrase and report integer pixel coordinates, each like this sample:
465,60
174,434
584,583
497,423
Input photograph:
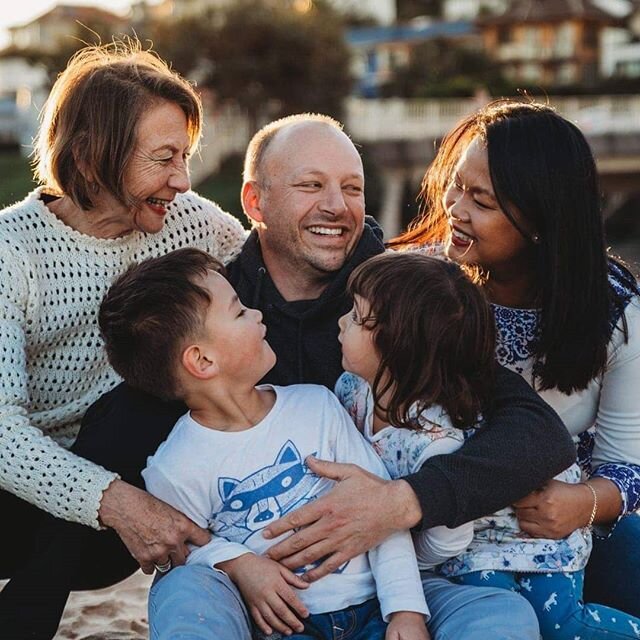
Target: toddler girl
418,349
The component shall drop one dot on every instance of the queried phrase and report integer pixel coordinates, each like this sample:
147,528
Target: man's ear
200,362
250,196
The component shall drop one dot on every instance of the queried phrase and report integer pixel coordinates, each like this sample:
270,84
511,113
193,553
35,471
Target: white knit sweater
53,365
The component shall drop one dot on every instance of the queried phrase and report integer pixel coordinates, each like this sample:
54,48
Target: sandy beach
117,613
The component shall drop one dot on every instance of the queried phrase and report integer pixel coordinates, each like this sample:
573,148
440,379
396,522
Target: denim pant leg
195,602
476,613
557,599
612,576
358,622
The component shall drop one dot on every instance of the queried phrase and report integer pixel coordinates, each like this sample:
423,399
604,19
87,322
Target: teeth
461,236
325,231
158,201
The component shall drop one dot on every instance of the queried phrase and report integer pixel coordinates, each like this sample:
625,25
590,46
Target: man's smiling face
312,199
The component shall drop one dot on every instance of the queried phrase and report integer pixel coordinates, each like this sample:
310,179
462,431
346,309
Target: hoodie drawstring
256,293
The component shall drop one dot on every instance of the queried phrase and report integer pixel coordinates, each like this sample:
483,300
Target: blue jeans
359,622
612,576
557,601
195,602
476,613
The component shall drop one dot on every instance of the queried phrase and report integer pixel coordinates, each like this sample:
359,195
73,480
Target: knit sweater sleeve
32,466
522,445
225,235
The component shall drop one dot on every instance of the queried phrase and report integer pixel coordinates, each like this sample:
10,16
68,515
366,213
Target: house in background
379,52
48,31
22,94
549,42
621,47
24,86
471,9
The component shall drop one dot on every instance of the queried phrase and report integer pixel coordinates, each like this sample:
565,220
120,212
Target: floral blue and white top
500,545
495,542
604,418
403,452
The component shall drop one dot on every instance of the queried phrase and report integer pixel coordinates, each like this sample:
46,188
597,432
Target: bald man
303,192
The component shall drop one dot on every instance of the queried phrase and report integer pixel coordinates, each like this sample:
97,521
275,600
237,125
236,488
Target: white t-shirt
236,483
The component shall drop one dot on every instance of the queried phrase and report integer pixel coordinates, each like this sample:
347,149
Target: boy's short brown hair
149,312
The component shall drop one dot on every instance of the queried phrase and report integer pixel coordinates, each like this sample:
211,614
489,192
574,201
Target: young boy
173,326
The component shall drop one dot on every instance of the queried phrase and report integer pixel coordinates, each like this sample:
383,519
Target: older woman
112,156
513,192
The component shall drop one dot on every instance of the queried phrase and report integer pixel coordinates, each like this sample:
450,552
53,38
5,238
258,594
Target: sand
116,613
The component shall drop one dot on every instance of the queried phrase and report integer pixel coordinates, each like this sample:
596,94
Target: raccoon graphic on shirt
252,503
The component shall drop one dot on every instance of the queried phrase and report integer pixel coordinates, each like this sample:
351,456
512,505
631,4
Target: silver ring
164,567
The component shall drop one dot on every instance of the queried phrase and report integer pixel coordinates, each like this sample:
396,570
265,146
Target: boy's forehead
219,287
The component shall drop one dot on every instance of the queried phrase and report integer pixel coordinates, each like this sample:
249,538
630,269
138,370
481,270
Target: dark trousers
612,576
46,558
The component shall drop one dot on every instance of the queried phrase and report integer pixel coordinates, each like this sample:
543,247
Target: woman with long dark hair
513,196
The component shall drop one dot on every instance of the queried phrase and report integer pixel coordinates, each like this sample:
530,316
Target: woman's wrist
609,500
594,507
114,498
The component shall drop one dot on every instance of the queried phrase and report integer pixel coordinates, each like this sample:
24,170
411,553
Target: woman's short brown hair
89,124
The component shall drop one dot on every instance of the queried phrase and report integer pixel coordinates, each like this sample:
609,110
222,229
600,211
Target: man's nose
334,201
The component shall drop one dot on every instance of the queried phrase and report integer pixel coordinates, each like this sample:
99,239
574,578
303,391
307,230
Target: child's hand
266,589
407,625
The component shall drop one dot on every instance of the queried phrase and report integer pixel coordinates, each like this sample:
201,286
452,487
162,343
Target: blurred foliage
440,68
408,9
224,186
271,58
17,179
267,57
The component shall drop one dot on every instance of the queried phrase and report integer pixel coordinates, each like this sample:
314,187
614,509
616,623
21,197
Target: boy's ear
251,201
199,362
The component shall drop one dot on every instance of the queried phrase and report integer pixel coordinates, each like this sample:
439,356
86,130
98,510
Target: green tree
408,9
439,68
269,57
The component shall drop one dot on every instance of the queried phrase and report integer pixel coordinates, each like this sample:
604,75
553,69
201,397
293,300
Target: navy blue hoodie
303,334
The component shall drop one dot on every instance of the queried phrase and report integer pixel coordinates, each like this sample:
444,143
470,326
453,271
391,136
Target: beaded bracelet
592,517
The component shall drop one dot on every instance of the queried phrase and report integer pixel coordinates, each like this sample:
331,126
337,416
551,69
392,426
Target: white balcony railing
397,119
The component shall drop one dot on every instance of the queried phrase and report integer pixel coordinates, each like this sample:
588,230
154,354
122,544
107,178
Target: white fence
398,119
226,130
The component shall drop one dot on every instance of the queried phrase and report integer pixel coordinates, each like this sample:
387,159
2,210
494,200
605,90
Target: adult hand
346,522
153,531
266,590
555,510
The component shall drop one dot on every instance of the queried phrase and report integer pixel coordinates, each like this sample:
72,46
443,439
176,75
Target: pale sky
16,12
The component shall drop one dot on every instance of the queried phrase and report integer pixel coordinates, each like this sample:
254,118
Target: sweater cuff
436,497
103,482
